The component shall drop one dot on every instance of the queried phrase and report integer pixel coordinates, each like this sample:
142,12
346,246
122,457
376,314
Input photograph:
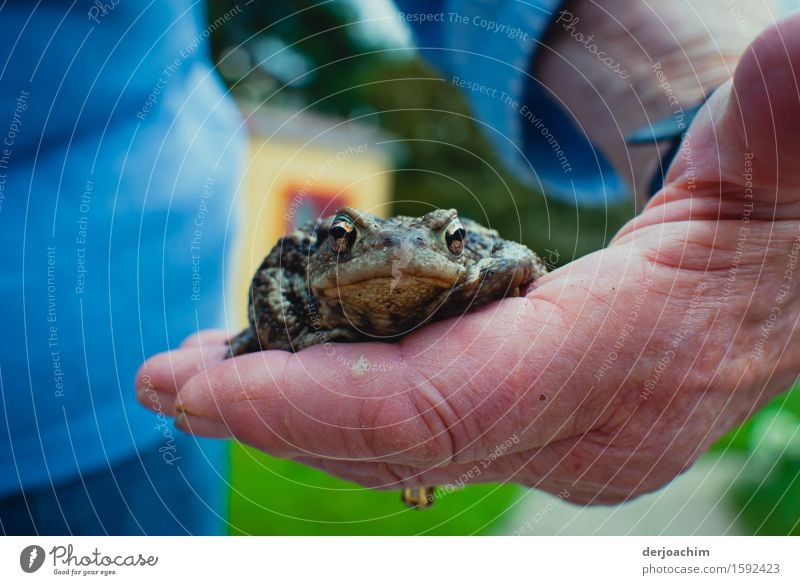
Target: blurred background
341,110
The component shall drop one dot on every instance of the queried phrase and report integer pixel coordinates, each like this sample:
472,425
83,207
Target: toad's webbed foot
419,498
244,342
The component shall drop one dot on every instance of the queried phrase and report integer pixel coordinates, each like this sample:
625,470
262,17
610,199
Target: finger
440,396
161,402
309,403
202,426
208,337
160,377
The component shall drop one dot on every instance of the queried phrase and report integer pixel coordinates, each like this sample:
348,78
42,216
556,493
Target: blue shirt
487,48
119,156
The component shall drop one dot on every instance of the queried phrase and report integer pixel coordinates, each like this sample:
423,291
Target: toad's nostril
392,241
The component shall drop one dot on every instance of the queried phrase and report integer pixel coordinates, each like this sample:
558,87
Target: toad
356,277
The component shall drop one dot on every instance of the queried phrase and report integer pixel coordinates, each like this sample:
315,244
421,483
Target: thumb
762,119
757,131
766,108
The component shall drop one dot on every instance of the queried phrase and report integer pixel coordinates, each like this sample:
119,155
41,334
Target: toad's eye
454,236
342,234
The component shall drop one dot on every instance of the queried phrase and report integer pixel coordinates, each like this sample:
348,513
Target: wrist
625,64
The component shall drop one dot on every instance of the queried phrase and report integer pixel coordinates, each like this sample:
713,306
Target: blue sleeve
119,158
486,48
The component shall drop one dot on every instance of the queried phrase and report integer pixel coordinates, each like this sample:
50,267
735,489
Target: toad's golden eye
455,235
342,234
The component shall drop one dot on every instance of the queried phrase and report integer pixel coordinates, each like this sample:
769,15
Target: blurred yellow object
302,167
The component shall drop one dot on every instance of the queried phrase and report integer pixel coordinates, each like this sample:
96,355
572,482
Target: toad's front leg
244,342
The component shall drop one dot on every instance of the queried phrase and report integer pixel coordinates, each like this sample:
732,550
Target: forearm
626,63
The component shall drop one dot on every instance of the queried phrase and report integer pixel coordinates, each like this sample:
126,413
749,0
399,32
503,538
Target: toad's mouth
394,283
416,271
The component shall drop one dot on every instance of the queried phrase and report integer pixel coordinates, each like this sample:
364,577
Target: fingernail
201,425
141,393
181,407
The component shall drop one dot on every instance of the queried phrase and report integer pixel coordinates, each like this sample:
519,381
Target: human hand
605,381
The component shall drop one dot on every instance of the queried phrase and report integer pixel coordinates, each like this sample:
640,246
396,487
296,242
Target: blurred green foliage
767,493
278,497
303,54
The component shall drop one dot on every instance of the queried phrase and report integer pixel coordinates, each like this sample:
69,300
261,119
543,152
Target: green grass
767,492
276,497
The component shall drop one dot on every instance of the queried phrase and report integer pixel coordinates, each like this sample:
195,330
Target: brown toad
357,277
